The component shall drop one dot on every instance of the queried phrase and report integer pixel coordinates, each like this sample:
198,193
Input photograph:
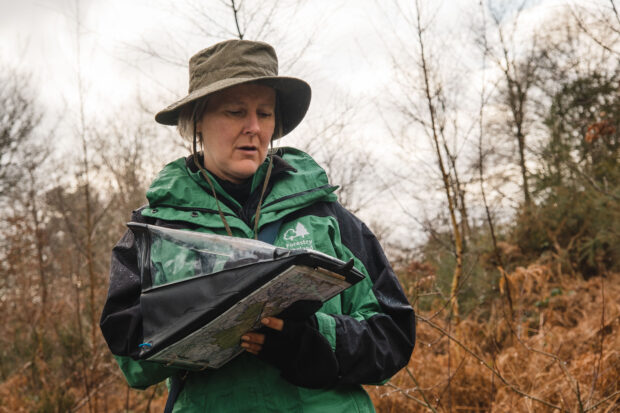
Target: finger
252,347
273,322
257,338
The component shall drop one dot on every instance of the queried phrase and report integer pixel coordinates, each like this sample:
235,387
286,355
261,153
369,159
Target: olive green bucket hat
234,62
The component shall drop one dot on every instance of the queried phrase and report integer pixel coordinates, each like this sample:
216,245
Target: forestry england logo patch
296,237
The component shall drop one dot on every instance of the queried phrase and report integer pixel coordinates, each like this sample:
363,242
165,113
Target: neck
240,191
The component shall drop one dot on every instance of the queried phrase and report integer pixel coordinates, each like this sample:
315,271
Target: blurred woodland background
503,158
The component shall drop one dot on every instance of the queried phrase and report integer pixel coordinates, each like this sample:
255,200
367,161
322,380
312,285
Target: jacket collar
179,192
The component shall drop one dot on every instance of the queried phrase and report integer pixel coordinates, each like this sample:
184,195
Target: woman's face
236,129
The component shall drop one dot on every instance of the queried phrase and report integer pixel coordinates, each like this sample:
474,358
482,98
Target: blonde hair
194,111
190,114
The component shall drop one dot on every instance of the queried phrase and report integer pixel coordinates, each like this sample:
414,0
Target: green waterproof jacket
370,327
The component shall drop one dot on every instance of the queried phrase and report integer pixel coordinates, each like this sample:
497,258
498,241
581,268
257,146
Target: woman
236,106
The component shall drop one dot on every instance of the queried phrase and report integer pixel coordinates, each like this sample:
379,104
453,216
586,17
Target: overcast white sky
40,37
347,53
349,57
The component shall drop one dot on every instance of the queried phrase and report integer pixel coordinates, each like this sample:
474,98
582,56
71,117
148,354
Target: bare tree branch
613,7
235,11
495,372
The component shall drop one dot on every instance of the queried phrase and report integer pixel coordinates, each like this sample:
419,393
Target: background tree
516,55
578,183
18,121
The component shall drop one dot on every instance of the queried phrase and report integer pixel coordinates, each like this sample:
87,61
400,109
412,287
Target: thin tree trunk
517,88
89,221
458,241
459,196
498,256
526,190
38,245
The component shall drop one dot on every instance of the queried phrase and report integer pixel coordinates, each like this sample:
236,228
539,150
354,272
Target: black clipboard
201,292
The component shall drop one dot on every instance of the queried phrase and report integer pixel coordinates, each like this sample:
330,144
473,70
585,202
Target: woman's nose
252,125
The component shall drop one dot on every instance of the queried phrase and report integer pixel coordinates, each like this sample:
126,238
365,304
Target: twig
87,398
597,404
581,24
552,356
407,395
597,365
485,364
450,377
613,7
148,404
428,404
127,395
235,13
592,182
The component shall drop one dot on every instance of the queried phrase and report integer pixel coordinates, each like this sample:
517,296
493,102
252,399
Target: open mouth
247,148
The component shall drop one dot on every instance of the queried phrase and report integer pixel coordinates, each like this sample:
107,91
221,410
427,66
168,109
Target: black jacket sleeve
372,349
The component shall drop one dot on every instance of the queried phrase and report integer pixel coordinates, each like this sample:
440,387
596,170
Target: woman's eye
235,112
264,114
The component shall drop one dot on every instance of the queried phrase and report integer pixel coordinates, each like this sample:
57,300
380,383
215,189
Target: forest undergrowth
561,352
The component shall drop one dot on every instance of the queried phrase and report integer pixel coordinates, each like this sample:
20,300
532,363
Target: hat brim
293,97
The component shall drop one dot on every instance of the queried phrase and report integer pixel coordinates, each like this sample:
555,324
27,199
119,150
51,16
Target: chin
241,175
246,170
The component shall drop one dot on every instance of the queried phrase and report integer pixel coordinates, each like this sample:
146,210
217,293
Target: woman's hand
301,353
253,342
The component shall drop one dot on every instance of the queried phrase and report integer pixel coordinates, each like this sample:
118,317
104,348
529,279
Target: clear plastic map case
202,292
